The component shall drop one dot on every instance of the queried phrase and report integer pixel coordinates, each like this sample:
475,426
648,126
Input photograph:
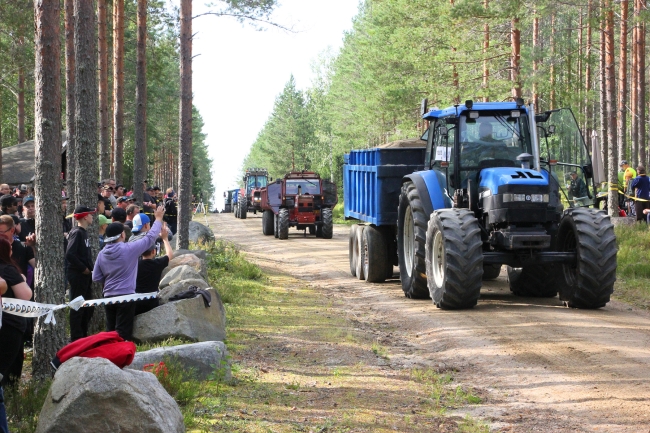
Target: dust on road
544,367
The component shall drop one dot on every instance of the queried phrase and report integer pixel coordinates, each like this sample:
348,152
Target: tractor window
444,142
256,181
307,186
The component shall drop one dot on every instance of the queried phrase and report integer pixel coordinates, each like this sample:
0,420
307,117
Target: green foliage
24,403
442,393
633,266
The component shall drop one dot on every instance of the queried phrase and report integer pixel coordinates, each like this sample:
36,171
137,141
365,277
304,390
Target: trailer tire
590,282
374,255
360,252
412,266
268,220
352,252
275,225
454,259
312,230
244,209
283,224
491,272
534,281
319,231
327,223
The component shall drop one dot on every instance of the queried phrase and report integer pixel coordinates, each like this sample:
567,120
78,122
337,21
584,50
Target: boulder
201,254
623,221
179,273
199,234
201,360
187,260
181,286
94,395
187,319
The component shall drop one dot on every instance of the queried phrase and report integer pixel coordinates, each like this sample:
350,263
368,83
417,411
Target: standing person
641,187
5,189
148,202
150,271
103,223
8,204
578,190
119,191
141,225
117,268
13,327
79,265
28,223
119,216
131,211
171,210
107,195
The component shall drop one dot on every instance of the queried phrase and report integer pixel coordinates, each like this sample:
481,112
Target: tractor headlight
533,198
539,198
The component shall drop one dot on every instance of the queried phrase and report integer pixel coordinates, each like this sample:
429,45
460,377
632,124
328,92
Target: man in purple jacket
117,268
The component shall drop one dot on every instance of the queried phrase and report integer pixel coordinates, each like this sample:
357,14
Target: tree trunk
612,162
634,120
185,128
622,82
104,143
552,67
71,160
640,83
49,286
588,51
515,36
140,151
535,60
603,89
21,104
86,170
486,71
118,90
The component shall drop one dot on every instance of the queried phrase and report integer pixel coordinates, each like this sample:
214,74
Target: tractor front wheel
283,224
243,209
454,258
327,223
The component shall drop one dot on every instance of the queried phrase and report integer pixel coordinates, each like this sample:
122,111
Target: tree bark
603,89
610,74
535,60
49,286
140,151
104,143
118,90
71,161
515,59
552,67
640,86
20,106
486,48
622,82
185,128
634,120
588,58
86,169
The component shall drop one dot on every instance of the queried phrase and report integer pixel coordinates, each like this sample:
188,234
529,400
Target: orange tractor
302,200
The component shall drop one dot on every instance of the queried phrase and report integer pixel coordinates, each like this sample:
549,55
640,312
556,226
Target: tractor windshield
256,182
307,186
493,140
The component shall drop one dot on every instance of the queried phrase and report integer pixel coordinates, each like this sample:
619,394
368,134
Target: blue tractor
495,185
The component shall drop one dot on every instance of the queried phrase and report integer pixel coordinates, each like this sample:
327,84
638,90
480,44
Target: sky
239,71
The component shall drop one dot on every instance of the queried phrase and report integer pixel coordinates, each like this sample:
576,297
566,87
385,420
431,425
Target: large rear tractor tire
360,256
327,223
491,272
374,255
236,211
243,209
589,282
533,281
454,259
283,224
411,239
268,222
353,255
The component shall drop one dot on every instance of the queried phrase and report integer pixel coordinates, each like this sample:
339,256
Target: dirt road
543,367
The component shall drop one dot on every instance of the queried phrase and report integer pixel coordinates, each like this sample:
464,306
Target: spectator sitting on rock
116,267
8,204
119,216
131,211
150,271
141,225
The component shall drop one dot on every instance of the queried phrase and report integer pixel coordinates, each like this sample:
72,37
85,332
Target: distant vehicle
302,200
254,179
230,199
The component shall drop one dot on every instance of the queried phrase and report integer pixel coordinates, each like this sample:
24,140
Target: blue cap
139,221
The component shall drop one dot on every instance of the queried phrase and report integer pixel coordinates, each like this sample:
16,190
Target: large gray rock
181,286
187,260
199,234
179,273
201,360
94,395
201,254
188,319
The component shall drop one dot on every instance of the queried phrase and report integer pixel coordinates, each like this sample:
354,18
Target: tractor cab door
440,149
565,155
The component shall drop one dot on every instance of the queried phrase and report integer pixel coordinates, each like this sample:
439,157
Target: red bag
107,345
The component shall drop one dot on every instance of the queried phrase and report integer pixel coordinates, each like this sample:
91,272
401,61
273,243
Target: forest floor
321,351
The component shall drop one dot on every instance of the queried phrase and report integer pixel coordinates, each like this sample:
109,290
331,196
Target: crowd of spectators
127,263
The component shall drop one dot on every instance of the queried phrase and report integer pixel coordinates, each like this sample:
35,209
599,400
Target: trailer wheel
243,209
590,281
374,255
491,272
327,223
411,238
352,251
360,256
312,230
283,224
275,225
268,222
534,281
454,258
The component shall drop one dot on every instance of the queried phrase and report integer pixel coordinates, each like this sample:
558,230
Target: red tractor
302,200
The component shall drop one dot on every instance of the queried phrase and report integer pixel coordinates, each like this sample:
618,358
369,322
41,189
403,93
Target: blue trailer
485,191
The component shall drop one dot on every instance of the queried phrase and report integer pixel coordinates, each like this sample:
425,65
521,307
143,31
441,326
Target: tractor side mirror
443,130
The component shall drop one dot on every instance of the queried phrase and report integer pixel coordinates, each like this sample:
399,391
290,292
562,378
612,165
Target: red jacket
107,345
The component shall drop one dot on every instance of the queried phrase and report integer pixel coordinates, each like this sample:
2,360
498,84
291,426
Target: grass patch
24,403
443,394
633,269
339,218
